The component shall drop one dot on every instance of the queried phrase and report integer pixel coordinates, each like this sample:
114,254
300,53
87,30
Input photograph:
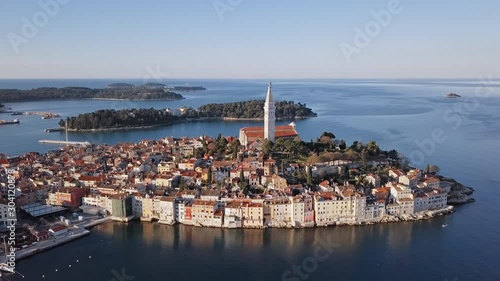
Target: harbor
78,230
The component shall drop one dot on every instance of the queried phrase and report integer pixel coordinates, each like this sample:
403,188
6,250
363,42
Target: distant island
109,119
119,91
185,88
453,95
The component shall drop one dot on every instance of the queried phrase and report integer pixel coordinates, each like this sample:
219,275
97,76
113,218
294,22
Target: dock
48,244
51,130
82,143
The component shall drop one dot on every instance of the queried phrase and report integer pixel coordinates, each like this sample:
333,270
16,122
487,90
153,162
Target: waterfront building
278,212
253,215
121,206
167,210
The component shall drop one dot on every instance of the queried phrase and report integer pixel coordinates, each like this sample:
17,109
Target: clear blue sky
256,39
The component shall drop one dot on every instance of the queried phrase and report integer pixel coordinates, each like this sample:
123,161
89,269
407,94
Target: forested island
117,92
285,110
109,119
453,95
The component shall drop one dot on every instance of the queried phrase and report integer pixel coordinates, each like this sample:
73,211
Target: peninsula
276,180
116,92
143,118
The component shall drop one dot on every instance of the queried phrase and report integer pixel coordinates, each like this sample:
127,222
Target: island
252,110
187,88
453,95
108,119
117,91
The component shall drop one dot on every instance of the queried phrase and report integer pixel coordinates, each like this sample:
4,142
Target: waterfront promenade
74,232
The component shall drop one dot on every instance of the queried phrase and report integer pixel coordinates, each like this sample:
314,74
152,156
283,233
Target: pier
44,245
51,130
82,143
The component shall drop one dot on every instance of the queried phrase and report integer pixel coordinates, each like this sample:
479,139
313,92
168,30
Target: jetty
64,142
44,245
82,143
51,130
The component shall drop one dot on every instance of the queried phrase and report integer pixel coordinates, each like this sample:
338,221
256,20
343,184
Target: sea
460,135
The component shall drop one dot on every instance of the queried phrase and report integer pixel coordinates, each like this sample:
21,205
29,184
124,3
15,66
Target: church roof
280,131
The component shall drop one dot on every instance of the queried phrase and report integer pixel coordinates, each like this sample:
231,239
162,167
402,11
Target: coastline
80,99
425,215
181,121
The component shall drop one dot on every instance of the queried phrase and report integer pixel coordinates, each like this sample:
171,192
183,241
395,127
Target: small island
118,91
453,95
108,119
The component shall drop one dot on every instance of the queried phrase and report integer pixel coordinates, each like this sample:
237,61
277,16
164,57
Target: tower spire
269,97
269,115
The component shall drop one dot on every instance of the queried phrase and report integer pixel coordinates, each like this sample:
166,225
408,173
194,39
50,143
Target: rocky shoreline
459,193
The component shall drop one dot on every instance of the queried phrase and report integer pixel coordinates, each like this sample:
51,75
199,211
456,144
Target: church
270,131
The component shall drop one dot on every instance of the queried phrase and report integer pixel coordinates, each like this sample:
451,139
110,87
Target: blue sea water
462,136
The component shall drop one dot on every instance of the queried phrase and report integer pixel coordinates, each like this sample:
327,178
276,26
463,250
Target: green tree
267,147
435,169
242,175
209,175
308,175
342,145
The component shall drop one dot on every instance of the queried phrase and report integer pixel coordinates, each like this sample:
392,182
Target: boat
9,122
6,268
444,225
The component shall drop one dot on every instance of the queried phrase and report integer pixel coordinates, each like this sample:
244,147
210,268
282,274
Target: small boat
6,268
9,122
444,225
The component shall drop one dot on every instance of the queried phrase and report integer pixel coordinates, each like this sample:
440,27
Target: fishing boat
9,122
6,268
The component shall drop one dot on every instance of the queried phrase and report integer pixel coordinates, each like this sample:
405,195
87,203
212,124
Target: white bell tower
269,115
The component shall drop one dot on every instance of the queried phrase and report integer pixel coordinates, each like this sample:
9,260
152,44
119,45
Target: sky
249,39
